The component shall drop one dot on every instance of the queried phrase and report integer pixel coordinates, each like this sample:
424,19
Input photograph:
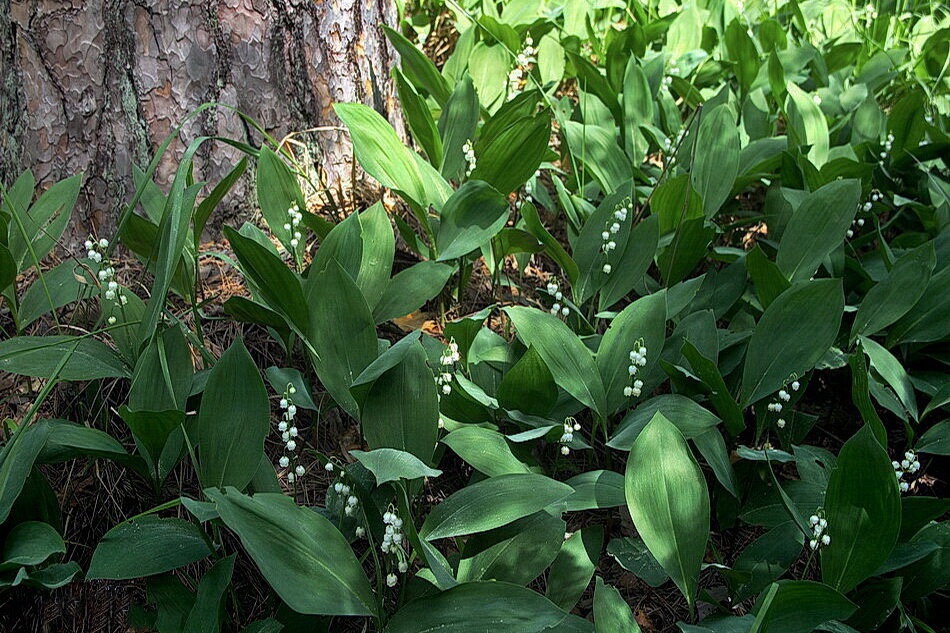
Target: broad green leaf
470,218
409,289
553,247
401,408
632,261
479,607
716,164
528,386
863,509
643,321
233,420
611,612
489,66
518,552
418,68
936,440
925,321
691,418
574,566
39,356
457,125
385,158
719,396
792,336
769,281
893,296
637,109
34,232
342,332
31,543
66,283
596,149
669,503
277,193
300,553
817,227
798,606
485,450
379,248
146,546
390,464
205,614
17,457
893,373
632,554
511,157
595,490
277,284
419,118
807,123
68,440
570,362
492,503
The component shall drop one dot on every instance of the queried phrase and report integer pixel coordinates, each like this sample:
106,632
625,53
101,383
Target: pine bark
95,86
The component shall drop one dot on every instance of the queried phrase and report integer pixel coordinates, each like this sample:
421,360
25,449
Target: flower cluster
450,356
392,545
523,63
888,144
611,228
342,488
672,70
819,525
470,161
570,425
907,466
670,145
783,396
870,13
556,307
288,434
112,291
293,226
638,359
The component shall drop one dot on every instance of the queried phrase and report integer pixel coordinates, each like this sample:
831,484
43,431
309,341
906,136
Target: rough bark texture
94,86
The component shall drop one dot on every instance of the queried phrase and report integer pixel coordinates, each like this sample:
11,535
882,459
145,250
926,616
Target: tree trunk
95,86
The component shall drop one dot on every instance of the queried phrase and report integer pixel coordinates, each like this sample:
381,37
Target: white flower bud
291,446
291,477
338,487
300,470
281,426
328,467
565,450
607,268
111,320
780,423
103,243
628,391
826,540
813,544
284,461
360,531
813,519
391,580
403,566
795,385
904,486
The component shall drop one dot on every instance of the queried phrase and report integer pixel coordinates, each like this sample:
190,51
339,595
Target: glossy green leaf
668,500
792,336
480,607
716,165
485,450
40,356
492,503
401,409
893,296
471,217
574,566
390,464
306,560
528,386
146,546
611,613
595,490
570,362
798,606
518,552
863,509
817,227
233,420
